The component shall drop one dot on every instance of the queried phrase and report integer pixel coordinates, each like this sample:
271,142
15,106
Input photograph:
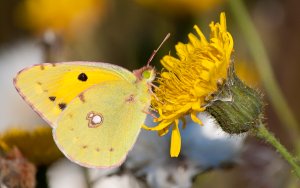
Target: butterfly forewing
49,88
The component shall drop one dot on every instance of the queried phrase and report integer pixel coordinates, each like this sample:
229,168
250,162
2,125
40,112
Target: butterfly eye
149,75
146,74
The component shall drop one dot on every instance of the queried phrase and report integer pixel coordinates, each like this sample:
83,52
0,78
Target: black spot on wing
52,98
82,77
62,106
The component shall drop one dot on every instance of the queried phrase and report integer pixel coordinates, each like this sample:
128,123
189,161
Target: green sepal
236,107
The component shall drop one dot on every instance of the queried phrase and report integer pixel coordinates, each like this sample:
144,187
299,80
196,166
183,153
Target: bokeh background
126,33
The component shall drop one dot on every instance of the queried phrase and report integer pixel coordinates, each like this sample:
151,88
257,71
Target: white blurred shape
95,174
173,175
123,181
63,174
14,111
203,147
208,145
210,130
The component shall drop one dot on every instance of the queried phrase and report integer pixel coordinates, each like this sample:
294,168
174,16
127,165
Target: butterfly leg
146,111
150,85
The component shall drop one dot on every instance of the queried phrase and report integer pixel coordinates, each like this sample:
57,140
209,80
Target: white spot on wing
95,119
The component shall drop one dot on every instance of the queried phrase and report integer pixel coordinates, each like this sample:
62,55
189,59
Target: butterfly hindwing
49,88
100,126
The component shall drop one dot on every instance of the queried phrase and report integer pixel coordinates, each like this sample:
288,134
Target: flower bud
236,107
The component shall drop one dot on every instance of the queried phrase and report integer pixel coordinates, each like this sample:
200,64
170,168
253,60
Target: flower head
62,16
36,145
188,82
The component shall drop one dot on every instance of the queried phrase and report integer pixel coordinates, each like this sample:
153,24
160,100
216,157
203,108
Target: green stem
263,133
86,177
263,64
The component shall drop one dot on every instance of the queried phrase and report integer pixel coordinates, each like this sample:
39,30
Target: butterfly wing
100,126
49,88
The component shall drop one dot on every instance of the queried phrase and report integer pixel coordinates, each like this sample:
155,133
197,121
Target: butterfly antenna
155,51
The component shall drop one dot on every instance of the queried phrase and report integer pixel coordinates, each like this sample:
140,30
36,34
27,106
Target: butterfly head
146,73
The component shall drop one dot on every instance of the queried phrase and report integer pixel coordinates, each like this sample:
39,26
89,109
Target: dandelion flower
188,82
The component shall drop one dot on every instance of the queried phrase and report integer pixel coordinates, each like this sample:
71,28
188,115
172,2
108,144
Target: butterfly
95,109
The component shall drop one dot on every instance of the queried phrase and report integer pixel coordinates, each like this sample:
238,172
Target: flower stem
86,177
262,132
263,64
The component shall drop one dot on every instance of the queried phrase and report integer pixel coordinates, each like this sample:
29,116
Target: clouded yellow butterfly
96,109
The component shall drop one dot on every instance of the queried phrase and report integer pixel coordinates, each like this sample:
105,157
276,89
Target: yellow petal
195,118
223,21
169,61
163,131
159,127
194,40
165,75
196,106
202,37
175,141
181,50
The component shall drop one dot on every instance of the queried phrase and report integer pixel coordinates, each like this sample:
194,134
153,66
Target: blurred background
126,33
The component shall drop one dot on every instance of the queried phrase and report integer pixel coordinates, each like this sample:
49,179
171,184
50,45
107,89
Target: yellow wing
49,88
100,126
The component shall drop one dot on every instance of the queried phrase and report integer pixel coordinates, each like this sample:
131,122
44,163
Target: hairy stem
262,132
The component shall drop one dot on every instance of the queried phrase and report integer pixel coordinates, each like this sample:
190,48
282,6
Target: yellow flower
189,81
37,145
181,6
63,16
